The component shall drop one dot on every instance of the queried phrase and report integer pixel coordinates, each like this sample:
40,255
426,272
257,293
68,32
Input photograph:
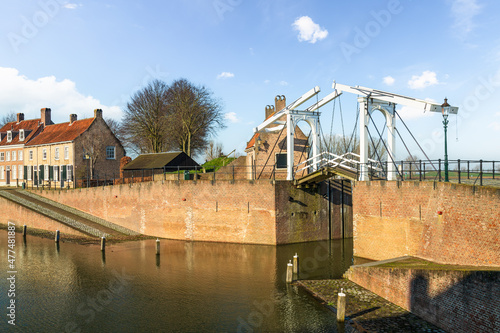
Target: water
190,287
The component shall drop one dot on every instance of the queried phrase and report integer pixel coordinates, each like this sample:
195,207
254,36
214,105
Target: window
44,154
9,136
110,152
14,155
21,135
31,155
56,154
280,161
20,172
55,169
66,153
7,155
14,172
2,156
20,155
29,172
69,174
46,172
1,172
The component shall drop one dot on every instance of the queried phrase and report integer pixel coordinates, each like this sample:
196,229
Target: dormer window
21,135
9,136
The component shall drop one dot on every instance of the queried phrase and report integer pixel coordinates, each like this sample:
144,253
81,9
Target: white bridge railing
348,161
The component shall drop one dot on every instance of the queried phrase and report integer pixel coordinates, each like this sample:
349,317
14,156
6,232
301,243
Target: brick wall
393,219
456,301
258,212
20,216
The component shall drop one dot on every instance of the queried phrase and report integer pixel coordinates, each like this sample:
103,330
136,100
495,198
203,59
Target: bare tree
9,117
195,115
213,150
144,124
93,149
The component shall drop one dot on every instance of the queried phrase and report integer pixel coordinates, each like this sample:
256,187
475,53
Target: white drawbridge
370,100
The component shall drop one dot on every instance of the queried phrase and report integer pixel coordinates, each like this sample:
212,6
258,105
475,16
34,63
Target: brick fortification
255,212
393,219
455,300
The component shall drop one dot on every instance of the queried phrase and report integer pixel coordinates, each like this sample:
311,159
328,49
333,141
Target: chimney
46,116
72,118
269,111
280,102
20,117
98,113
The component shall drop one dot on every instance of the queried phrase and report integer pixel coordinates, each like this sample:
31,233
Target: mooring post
296,264
57,236
103,243
341,306
157,246
24,230
289,272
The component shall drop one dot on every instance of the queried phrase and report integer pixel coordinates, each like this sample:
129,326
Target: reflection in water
189,287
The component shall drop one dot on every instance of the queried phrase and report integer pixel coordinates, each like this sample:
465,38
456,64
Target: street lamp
445,110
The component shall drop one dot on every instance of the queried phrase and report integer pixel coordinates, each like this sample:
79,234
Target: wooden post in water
103,243
157,246
289,272
296,264
57,236
24,230
341,306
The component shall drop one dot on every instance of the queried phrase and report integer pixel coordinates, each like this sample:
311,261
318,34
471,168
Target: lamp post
445,110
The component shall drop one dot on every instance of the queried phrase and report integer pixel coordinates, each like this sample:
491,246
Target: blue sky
77,56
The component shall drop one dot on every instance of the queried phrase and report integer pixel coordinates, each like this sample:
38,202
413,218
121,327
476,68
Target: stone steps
69,216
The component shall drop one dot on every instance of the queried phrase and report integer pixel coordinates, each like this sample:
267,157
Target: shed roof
158,160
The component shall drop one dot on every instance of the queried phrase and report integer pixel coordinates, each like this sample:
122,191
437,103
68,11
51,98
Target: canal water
189,287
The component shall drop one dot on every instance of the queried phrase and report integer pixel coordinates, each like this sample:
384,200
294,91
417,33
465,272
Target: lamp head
445,109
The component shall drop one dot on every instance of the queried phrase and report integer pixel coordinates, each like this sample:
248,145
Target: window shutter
25,172
42,169
51,173
63,168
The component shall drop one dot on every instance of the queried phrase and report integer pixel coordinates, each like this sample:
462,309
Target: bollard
24,230
57,236
341,306
103,243
157,246
289,272
296,264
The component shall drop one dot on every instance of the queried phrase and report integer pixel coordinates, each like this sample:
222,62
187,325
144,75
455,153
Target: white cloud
389,80
225,75
427,79
231,116
308,30
19,94
267,81
495,125
71,5
283,83
463,12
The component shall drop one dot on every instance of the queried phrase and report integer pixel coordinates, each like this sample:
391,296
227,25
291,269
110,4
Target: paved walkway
366,311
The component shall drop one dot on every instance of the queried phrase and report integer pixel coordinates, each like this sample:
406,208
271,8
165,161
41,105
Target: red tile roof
30,127
61,132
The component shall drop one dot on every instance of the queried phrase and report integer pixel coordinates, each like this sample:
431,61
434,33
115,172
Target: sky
76,56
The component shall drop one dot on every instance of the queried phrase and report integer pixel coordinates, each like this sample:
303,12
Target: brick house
267,151
78,148
14,136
